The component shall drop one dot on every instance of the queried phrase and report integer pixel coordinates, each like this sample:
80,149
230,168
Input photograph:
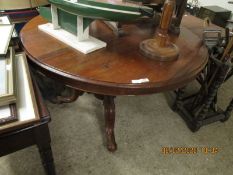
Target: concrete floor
144,124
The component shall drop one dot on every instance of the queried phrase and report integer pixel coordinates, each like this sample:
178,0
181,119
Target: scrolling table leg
109,112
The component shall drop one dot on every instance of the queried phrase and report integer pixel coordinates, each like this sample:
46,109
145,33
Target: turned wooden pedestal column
160,48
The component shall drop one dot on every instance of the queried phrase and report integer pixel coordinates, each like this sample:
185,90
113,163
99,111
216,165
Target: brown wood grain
160,48
110,70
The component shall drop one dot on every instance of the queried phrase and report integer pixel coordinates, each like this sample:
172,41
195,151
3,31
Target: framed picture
6,20
8,114
6,31
8,91
26,105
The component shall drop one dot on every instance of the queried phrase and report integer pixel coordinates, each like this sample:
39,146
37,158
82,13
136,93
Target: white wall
221,3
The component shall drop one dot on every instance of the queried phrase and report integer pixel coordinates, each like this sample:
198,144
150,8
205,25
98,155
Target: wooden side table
118,69
35,134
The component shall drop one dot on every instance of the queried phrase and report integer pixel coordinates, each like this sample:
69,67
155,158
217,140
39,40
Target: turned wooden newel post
160,48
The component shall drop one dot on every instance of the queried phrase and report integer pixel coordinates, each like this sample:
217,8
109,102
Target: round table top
114,69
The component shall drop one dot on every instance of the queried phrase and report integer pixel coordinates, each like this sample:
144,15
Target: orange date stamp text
189,150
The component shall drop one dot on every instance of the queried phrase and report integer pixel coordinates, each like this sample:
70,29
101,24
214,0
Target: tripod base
151,49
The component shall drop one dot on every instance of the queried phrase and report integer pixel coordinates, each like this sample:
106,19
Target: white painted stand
114,26
82,42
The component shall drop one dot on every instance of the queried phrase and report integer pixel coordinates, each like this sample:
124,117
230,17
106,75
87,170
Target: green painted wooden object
66,20
90,10
105,10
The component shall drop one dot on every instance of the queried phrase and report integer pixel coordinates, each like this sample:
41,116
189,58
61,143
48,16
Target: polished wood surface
110,70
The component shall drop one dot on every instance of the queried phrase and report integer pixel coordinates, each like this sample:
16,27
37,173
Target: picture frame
8,114
6,31
8,89
6,20
26,105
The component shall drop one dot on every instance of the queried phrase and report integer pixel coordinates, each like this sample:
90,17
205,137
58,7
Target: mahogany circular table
118,69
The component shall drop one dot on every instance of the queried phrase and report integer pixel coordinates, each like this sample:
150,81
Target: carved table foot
71,97
54,91
109,112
